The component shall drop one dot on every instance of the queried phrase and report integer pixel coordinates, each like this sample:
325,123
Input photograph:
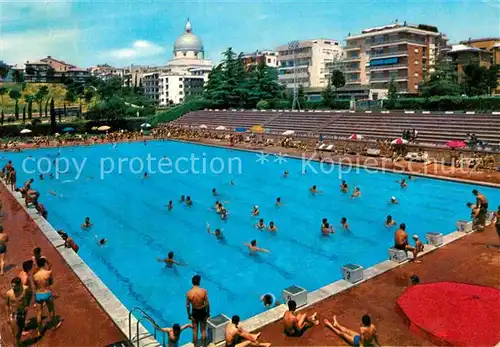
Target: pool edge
104,297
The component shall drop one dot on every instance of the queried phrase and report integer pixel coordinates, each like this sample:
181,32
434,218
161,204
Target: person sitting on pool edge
86,224
366,337
260,225
236,336
389,222
169,260
252,247
295,324
401,240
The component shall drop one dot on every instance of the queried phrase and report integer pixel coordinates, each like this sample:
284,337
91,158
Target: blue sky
122,32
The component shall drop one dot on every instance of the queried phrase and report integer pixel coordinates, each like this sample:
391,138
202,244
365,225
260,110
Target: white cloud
36,44
139,49
26,10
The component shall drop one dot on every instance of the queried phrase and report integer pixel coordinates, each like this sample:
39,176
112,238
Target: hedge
179,110
445,103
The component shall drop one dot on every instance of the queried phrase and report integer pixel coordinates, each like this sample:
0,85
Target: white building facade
311,62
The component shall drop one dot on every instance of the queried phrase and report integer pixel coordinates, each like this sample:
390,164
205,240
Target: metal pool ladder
143,316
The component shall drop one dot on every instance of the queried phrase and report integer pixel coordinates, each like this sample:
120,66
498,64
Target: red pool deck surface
85,323
467,260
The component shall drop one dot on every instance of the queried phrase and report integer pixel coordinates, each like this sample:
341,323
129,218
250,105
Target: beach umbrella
26,131
57,134
240,130
104,128
355,137
68,129
399,141
94,128
455,144
288,132
145,125
203,126
220,127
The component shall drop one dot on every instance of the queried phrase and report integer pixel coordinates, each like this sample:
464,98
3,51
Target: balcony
351,49
396,41
355,81
300,55
352,59
388,78
291,76
402,53
352,70
388,67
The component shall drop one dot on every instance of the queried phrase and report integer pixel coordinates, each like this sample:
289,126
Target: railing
394,41
388,54
145,316
388,66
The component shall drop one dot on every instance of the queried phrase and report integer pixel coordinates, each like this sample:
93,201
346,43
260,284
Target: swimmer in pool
402,183
356,193
223,214
345,225
255,211
231,183
214,192
278,202
344,188
314,190
102,242
189,202
285,174
182,199
252,246
174,333
394,200
218,233
327,229
170,205
272,227
40,177
145,175
269,300
260,225
219,208
389,222
86,224
169,260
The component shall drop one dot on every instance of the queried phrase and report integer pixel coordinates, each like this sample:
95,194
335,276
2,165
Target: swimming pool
130,212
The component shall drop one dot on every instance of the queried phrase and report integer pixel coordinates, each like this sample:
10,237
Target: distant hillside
57,91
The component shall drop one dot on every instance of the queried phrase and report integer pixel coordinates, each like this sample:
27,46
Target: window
180,93
416,62
416,74
416,50
268,60
184,53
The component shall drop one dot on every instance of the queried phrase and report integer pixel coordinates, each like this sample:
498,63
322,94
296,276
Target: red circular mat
456,314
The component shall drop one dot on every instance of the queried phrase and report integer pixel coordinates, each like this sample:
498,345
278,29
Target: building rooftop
422,29
465,48
480,40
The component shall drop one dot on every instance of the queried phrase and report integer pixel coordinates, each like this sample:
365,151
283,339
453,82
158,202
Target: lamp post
292,46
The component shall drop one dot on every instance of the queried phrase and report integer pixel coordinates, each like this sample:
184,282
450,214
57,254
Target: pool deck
465,260
85,322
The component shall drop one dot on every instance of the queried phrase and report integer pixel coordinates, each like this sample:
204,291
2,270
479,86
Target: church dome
188,42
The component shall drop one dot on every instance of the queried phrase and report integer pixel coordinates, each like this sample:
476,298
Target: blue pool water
130,212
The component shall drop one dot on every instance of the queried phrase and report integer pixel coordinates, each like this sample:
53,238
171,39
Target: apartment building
405,53
311,60
106,72
51,70
270,57
175,88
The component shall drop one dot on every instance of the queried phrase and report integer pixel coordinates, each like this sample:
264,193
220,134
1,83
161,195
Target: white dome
188,42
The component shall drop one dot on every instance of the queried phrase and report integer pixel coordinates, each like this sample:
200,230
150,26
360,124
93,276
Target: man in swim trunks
18,299
174,333
43,295
419,247
169,260
366,337
401,239
295,324
25,274
278,201
189,202
236,336
69,242
345,225
198,310
13,179
482,205
170,205
4,238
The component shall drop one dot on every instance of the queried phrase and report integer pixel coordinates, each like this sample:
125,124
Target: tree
15,94
327,95
47,106
392,90
2,118
262,105
50,74
479,80
493,75
337,79
40,95
28,98
69,97
443,82
24,114
4,70
3,91
17,76
87,96
53,125
30,70
301,96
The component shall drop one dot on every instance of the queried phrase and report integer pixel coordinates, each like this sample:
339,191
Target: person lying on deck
366,337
